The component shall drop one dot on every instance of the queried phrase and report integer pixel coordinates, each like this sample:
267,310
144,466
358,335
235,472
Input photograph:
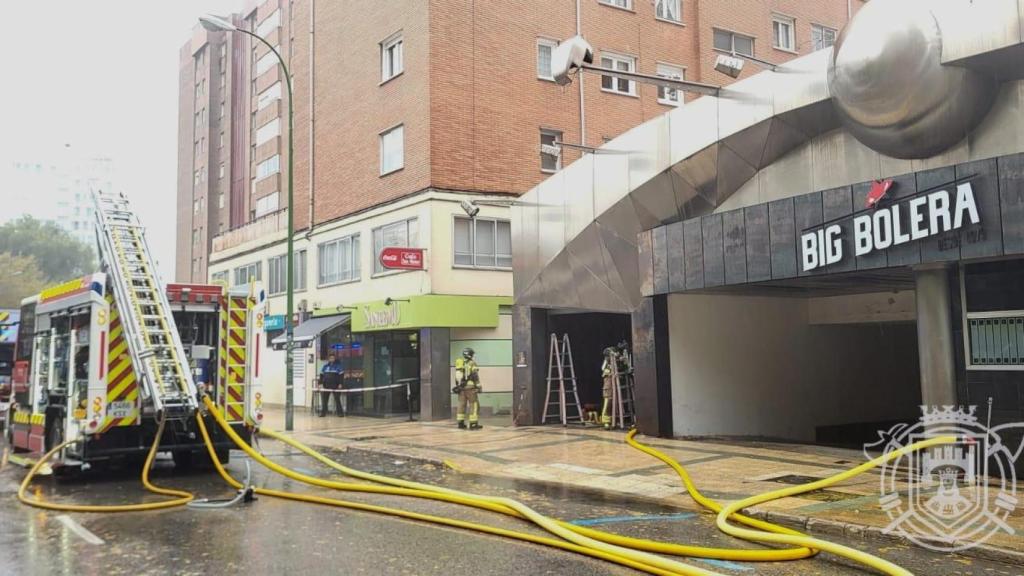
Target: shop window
338,261
993,297
404,234
482,243
277,280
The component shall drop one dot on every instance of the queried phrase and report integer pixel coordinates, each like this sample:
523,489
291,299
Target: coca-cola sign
395,258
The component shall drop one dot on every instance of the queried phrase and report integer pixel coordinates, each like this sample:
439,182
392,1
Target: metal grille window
247,273
277,280
996,340
483,242
338,261
404,234
822,36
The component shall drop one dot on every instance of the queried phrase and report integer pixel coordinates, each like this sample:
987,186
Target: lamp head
729,65
568,57
215,24
470,208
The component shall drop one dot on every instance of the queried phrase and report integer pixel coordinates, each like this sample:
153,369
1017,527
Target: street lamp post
219,24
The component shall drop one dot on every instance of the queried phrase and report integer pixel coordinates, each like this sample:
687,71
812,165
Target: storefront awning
313,327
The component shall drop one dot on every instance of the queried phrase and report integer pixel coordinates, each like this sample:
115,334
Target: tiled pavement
591,458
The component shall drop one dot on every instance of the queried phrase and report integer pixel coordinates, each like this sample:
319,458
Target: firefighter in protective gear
608,370
467,386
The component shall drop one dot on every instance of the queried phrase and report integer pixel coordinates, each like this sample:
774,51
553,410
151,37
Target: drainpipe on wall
312,113
579,81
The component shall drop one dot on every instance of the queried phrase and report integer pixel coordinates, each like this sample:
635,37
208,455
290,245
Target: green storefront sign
426,311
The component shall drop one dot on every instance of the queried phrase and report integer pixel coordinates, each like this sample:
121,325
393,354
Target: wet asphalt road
274,536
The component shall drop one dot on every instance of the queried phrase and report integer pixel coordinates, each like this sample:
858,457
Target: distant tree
20,277
58,255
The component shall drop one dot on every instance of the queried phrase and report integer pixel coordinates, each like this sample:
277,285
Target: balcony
265,228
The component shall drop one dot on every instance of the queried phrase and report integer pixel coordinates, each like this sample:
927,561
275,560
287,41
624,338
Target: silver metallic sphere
891,90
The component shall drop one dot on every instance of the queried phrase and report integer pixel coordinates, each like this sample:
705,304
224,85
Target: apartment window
625,4
483,242
248,273
670,96
623,64
266,205
391,57
544,49
269,95
266,62
219,277
277,280
220,172
669,10
220,140
732,42
202,174
195,206
550,162
783,34
392,150
197,91
269,23
195,177
220,200
269,166
822,36
267,131
404,234
223,80
338,261
222,108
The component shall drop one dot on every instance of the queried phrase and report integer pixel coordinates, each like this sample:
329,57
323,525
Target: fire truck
8,336
106,356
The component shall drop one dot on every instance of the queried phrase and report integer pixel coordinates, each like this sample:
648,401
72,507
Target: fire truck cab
75,375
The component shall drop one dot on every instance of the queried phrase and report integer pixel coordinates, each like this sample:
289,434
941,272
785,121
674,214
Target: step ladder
153,342
623,404
563,403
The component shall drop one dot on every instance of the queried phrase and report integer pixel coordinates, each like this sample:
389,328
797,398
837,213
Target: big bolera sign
909,219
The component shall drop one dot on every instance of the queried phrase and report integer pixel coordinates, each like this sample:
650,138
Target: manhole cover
794,479
817,495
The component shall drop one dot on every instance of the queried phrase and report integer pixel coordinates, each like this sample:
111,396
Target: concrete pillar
935,336
652,375
435,374
529,363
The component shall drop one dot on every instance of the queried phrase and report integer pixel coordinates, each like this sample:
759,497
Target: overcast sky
102,76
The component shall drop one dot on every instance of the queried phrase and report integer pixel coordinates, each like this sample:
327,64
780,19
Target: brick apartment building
401,110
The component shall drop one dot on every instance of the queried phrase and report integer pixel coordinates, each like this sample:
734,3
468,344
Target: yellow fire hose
429,518
758,555
488,503
181,497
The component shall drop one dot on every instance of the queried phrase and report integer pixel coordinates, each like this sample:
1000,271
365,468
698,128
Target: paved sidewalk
592,458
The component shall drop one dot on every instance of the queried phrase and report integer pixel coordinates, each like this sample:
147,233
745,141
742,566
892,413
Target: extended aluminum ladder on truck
153,342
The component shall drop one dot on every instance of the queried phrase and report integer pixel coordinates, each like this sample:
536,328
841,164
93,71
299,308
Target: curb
825,526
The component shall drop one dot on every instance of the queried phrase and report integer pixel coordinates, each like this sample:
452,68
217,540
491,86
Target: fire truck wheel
55,433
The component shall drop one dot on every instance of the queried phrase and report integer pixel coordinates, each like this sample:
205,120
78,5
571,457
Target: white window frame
268,167
267,25
615,59
620,4
378,268
820,29
277,267
269,95
732,42
267,204
557,136
385,170
268,131
221,171
248,270
472,240
789,22
355,271
389,58
677,5
266,62
221,276
550,44
665,94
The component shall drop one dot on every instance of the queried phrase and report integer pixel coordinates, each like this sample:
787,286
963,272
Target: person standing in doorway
331,376
608,373
467,386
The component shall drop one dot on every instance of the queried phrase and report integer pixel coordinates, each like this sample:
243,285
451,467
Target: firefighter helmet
467,353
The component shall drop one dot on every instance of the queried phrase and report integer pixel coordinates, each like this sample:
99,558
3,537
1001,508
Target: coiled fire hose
180,496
